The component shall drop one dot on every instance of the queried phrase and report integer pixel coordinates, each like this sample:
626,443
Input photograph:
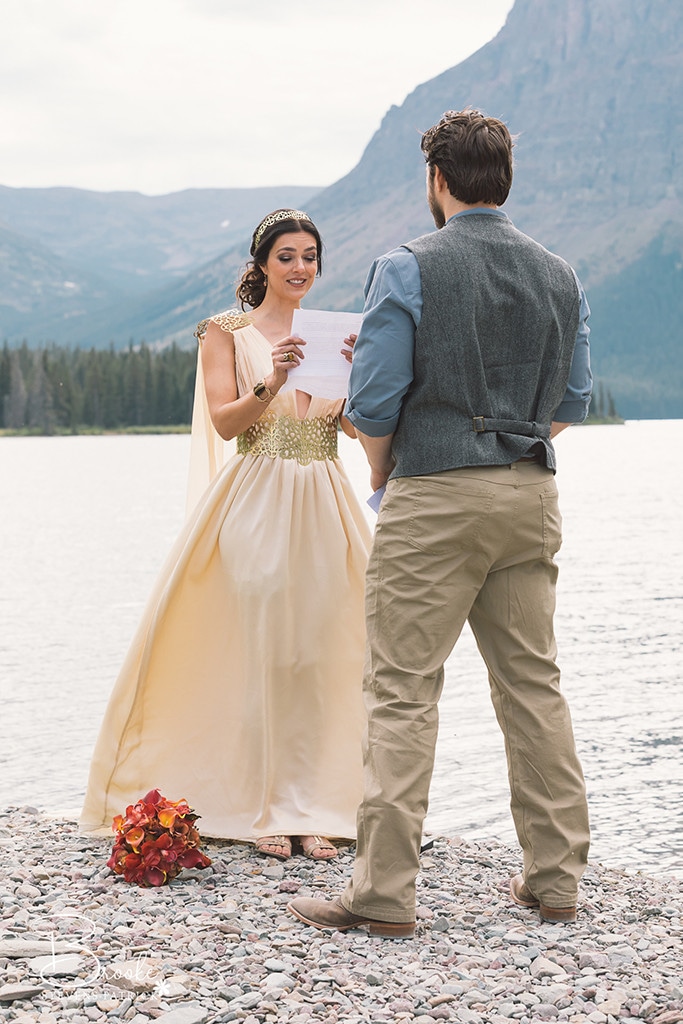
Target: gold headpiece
273,218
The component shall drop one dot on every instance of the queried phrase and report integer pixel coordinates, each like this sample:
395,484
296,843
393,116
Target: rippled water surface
87,521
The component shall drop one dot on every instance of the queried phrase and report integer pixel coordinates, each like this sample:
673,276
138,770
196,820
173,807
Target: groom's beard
436,211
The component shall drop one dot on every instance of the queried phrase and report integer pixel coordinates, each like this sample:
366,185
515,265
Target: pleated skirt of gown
242,689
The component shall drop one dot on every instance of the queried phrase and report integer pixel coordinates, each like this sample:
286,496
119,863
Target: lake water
87,521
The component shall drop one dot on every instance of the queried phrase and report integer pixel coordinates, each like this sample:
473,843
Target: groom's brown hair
474,154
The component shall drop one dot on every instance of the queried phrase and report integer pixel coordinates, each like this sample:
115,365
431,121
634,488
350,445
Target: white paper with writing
324,371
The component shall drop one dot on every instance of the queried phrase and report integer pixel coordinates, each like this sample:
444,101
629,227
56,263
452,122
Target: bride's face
291,265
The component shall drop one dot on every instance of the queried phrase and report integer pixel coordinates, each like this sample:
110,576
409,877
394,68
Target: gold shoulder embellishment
230,320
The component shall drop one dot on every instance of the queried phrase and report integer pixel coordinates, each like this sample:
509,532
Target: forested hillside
60,390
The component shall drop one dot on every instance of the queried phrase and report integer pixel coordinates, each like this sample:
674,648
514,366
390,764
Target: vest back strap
484,424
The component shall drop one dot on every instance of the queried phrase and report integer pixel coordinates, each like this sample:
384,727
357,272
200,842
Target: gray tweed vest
493,349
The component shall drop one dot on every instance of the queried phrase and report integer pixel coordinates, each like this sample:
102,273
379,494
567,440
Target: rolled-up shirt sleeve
382,367
574,406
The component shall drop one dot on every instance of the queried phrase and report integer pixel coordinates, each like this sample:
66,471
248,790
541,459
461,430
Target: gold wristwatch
262,391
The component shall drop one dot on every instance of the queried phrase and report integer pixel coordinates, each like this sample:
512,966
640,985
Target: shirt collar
478,209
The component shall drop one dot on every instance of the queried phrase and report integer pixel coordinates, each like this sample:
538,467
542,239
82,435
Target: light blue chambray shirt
382,368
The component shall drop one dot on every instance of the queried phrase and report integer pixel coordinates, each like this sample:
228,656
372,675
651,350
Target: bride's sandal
279,847
317,848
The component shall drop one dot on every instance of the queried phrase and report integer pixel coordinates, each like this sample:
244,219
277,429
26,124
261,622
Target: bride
241,691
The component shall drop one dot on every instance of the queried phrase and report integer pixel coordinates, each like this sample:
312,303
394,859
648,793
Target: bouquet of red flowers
155,840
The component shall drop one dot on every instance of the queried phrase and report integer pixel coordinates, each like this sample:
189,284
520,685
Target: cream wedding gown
241,691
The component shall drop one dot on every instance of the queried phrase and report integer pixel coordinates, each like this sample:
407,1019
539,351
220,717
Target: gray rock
227,909
279,980
247,1001
232,992
8,993
26,948
517,938
55,966
275,871
593,959
464,1015
184,1015
622,955
138,975
122,1008
271,964
555,993
544,968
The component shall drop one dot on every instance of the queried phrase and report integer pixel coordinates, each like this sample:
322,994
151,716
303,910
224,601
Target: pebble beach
79,944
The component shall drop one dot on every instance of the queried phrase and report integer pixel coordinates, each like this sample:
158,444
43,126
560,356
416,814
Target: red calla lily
155,840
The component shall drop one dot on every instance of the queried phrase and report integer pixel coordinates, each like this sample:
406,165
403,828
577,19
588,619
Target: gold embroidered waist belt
284,437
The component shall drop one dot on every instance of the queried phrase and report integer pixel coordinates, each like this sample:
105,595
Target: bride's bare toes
274,846
317,848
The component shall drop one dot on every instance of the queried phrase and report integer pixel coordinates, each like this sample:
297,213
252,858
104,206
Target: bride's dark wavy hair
251,290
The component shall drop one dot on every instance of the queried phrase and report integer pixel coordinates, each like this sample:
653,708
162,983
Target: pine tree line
56,389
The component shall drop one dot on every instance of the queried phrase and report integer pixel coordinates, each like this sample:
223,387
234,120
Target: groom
472,356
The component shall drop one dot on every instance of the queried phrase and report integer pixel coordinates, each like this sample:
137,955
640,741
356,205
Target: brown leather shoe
330,914
523,897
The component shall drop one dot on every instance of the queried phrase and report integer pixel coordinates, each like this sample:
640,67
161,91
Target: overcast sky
161,95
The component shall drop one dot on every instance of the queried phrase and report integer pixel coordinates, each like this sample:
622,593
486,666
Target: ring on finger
287,357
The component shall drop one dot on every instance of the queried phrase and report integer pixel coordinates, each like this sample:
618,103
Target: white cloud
158,95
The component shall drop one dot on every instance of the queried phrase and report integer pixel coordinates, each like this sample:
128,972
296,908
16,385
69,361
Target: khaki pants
474,544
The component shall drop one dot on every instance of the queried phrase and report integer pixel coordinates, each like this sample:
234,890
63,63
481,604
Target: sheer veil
208,451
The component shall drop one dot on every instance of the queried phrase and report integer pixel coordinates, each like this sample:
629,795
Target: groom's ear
438,179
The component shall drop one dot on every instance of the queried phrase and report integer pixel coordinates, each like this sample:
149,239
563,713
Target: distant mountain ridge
71,259
592,87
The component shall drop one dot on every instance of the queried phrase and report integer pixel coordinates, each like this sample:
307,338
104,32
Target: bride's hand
286,354
348,352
